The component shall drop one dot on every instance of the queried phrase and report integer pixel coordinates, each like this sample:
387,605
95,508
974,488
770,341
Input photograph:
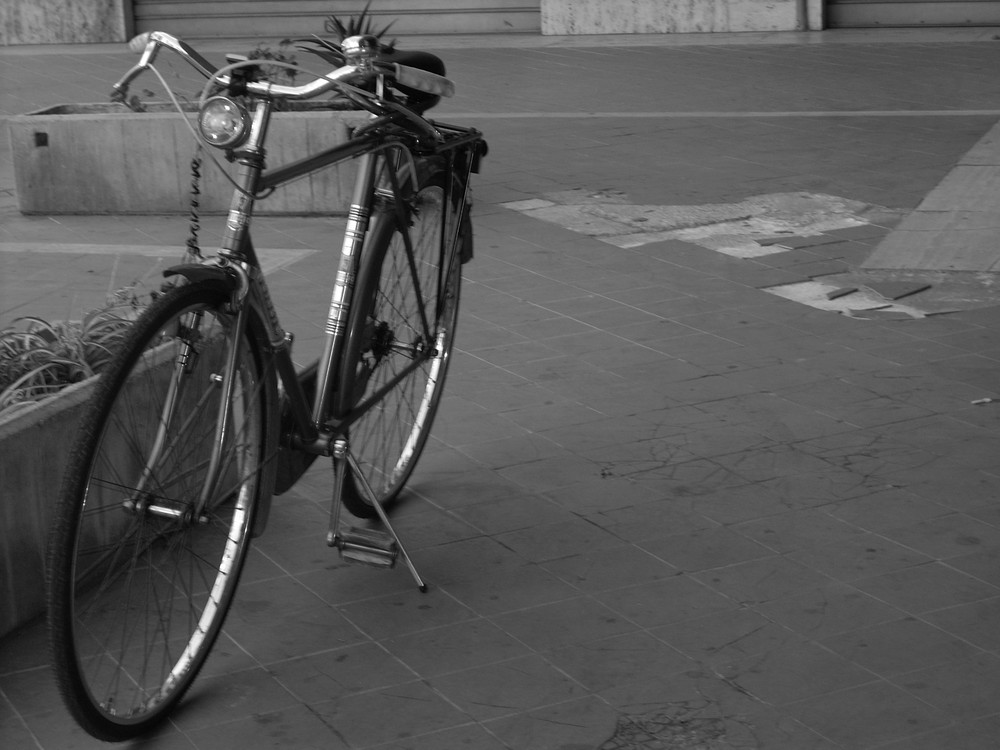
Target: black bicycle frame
311,431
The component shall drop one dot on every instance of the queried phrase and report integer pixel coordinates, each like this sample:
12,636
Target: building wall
64,21
677,16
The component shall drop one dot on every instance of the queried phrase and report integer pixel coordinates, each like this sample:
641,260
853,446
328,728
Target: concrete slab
955,228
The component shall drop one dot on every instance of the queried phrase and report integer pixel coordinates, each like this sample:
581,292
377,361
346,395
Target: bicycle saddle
418,100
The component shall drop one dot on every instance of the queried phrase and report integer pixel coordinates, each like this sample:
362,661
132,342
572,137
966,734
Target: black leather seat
418,100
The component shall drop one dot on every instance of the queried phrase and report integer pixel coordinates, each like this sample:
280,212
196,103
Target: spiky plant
329,49
361,25
38,358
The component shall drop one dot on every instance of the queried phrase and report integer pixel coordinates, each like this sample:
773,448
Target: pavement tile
697,694
926,587
296,727
29,692
762,580
971,735
796,671
615,567
455,738
550,473
981,565
616,661
827,611
770,462
899,646
276,633
501,515
404,711
544,542
745,501
724,637
493,592
482,554
508,687
512,451
798,529
455,647
886,509
405,612
687,478
959,687
24,649
774,729
704,548
582,721
879,714
971,622
14,731
669,600
426,525
552,625
859,556
51,729
245,694
642,518
947,536
342,671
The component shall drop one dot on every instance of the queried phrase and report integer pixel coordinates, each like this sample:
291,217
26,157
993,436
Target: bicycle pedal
368,546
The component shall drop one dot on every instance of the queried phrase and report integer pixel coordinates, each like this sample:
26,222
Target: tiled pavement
661,506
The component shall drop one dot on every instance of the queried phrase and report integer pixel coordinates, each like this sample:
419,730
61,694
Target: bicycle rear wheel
142,573
401,335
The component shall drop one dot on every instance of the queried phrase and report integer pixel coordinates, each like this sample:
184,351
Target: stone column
64,21
670,16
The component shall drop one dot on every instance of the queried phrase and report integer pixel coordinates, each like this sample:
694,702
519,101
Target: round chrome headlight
223,123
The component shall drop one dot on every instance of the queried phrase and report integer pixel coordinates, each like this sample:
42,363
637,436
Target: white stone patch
747,229
859,303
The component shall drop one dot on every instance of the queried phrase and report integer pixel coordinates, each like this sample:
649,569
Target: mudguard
199,273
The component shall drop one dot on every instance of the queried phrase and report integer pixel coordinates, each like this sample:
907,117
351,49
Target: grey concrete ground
664,506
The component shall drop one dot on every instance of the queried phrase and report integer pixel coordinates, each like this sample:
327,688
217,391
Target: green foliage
361,25
329,49
38,358
277,73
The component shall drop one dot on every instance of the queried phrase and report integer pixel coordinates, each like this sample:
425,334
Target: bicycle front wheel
147,547
401,335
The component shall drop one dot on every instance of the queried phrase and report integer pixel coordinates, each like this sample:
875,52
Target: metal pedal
367,546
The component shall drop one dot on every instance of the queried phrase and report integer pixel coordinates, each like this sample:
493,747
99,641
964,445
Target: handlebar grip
137,44
421,80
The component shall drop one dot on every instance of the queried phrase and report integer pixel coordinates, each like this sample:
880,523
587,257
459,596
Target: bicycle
202,416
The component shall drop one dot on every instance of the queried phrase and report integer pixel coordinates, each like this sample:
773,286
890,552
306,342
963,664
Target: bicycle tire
137,596
386,336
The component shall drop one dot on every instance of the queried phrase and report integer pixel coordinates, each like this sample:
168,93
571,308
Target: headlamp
223,122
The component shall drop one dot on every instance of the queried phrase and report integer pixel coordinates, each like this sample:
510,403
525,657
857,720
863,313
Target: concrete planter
34,450
106,159
671,16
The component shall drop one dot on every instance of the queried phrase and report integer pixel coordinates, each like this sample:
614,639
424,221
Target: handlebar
367,67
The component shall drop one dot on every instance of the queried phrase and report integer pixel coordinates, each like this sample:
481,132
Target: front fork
142,497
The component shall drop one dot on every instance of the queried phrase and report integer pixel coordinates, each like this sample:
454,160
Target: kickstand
360,544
